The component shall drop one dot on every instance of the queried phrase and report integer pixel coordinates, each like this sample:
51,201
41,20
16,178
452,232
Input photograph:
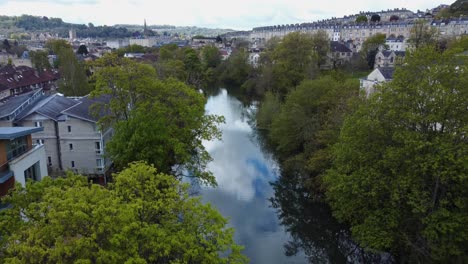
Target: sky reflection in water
243,174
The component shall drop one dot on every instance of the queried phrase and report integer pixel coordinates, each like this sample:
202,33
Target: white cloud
239,14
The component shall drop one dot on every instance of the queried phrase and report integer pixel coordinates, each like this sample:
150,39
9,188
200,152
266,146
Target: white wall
26,160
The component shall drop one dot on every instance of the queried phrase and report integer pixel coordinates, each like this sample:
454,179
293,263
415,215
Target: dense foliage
144,217
73,80
399,175
162,122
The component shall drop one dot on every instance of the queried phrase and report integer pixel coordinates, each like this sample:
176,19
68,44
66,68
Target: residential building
118,43
16,80
20,158
388,58
145,42
71,136
339,54
377,76
13,106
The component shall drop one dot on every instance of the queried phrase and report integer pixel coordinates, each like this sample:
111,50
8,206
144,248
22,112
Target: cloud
239,14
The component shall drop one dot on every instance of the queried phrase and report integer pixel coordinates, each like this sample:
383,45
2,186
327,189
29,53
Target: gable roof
51,107
14,77
82,110
387,72
336,46
19,102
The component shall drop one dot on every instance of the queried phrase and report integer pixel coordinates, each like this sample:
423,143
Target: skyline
243,15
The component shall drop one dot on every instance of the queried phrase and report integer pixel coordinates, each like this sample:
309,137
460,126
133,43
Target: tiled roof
82,109
336,46
387,72
14,77
8,107
51,107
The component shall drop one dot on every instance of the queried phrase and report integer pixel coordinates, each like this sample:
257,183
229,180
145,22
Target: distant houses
377,76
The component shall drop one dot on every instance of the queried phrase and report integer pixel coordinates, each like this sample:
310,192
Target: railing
18,151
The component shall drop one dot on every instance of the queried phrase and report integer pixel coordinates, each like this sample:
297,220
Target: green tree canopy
361,19
308,123
160,121
39,60
82,50
293,61
400,174
145,217
73,80
210,56
370,46
423,34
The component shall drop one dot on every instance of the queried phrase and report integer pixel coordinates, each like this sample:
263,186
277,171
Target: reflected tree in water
313,228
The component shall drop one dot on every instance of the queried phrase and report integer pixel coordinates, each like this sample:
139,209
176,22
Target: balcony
17,151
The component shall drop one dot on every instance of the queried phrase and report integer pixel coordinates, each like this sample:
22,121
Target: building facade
20,158
70,133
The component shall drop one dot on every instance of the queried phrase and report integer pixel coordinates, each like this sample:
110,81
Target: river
243,173
273,216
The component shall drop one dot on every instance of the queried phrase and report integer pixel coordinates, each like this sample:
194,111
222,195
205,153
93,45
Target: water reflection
244,173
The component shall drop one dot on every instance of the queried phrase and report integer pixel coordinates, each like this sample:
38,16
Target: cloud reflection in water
243,174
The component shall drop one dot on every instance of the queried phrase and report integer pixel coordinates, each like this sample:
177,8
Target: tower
145,30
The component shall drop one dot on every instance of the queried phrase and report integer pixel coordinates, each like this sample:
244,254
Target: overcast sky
235,14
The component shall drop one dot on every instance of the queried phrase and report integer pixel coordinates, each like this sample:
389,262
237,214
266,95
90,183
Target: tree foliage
39,60
399,175
73,80
370,47
82,50
422,34
293,61
308,123
145,217
361,19
160,121
236,70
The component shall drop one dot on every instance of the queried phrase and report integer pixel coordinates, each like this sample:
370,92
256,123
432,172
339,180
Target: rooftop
8,133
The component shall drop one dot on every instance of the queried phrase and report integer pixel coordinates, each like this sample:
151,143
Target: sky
235,14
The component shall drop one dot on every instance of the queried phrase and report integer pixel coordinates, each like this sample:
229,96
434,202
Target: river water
243,173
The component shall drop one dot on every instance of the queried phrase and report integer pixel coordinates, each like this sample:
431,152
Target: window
70,146
69,129
99,163
40,141
49,161
98,147
38,124
32,172
73,164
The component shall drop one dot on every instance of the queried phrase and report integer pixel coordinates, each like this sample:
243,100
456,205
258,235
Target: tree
422,34
361,19
375,18
307,124
236,69
161,122
293,60
321,47
394,18
145,217
210,57
370,47
193,67
399,175
6,45
73,80
82,50
40,60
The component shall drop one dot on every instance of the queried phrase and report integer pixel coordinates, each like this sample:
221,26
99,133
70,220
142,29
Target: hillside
26,23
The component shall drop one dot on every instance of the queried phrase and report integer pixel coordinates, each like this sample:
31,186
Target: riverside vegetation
391,168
